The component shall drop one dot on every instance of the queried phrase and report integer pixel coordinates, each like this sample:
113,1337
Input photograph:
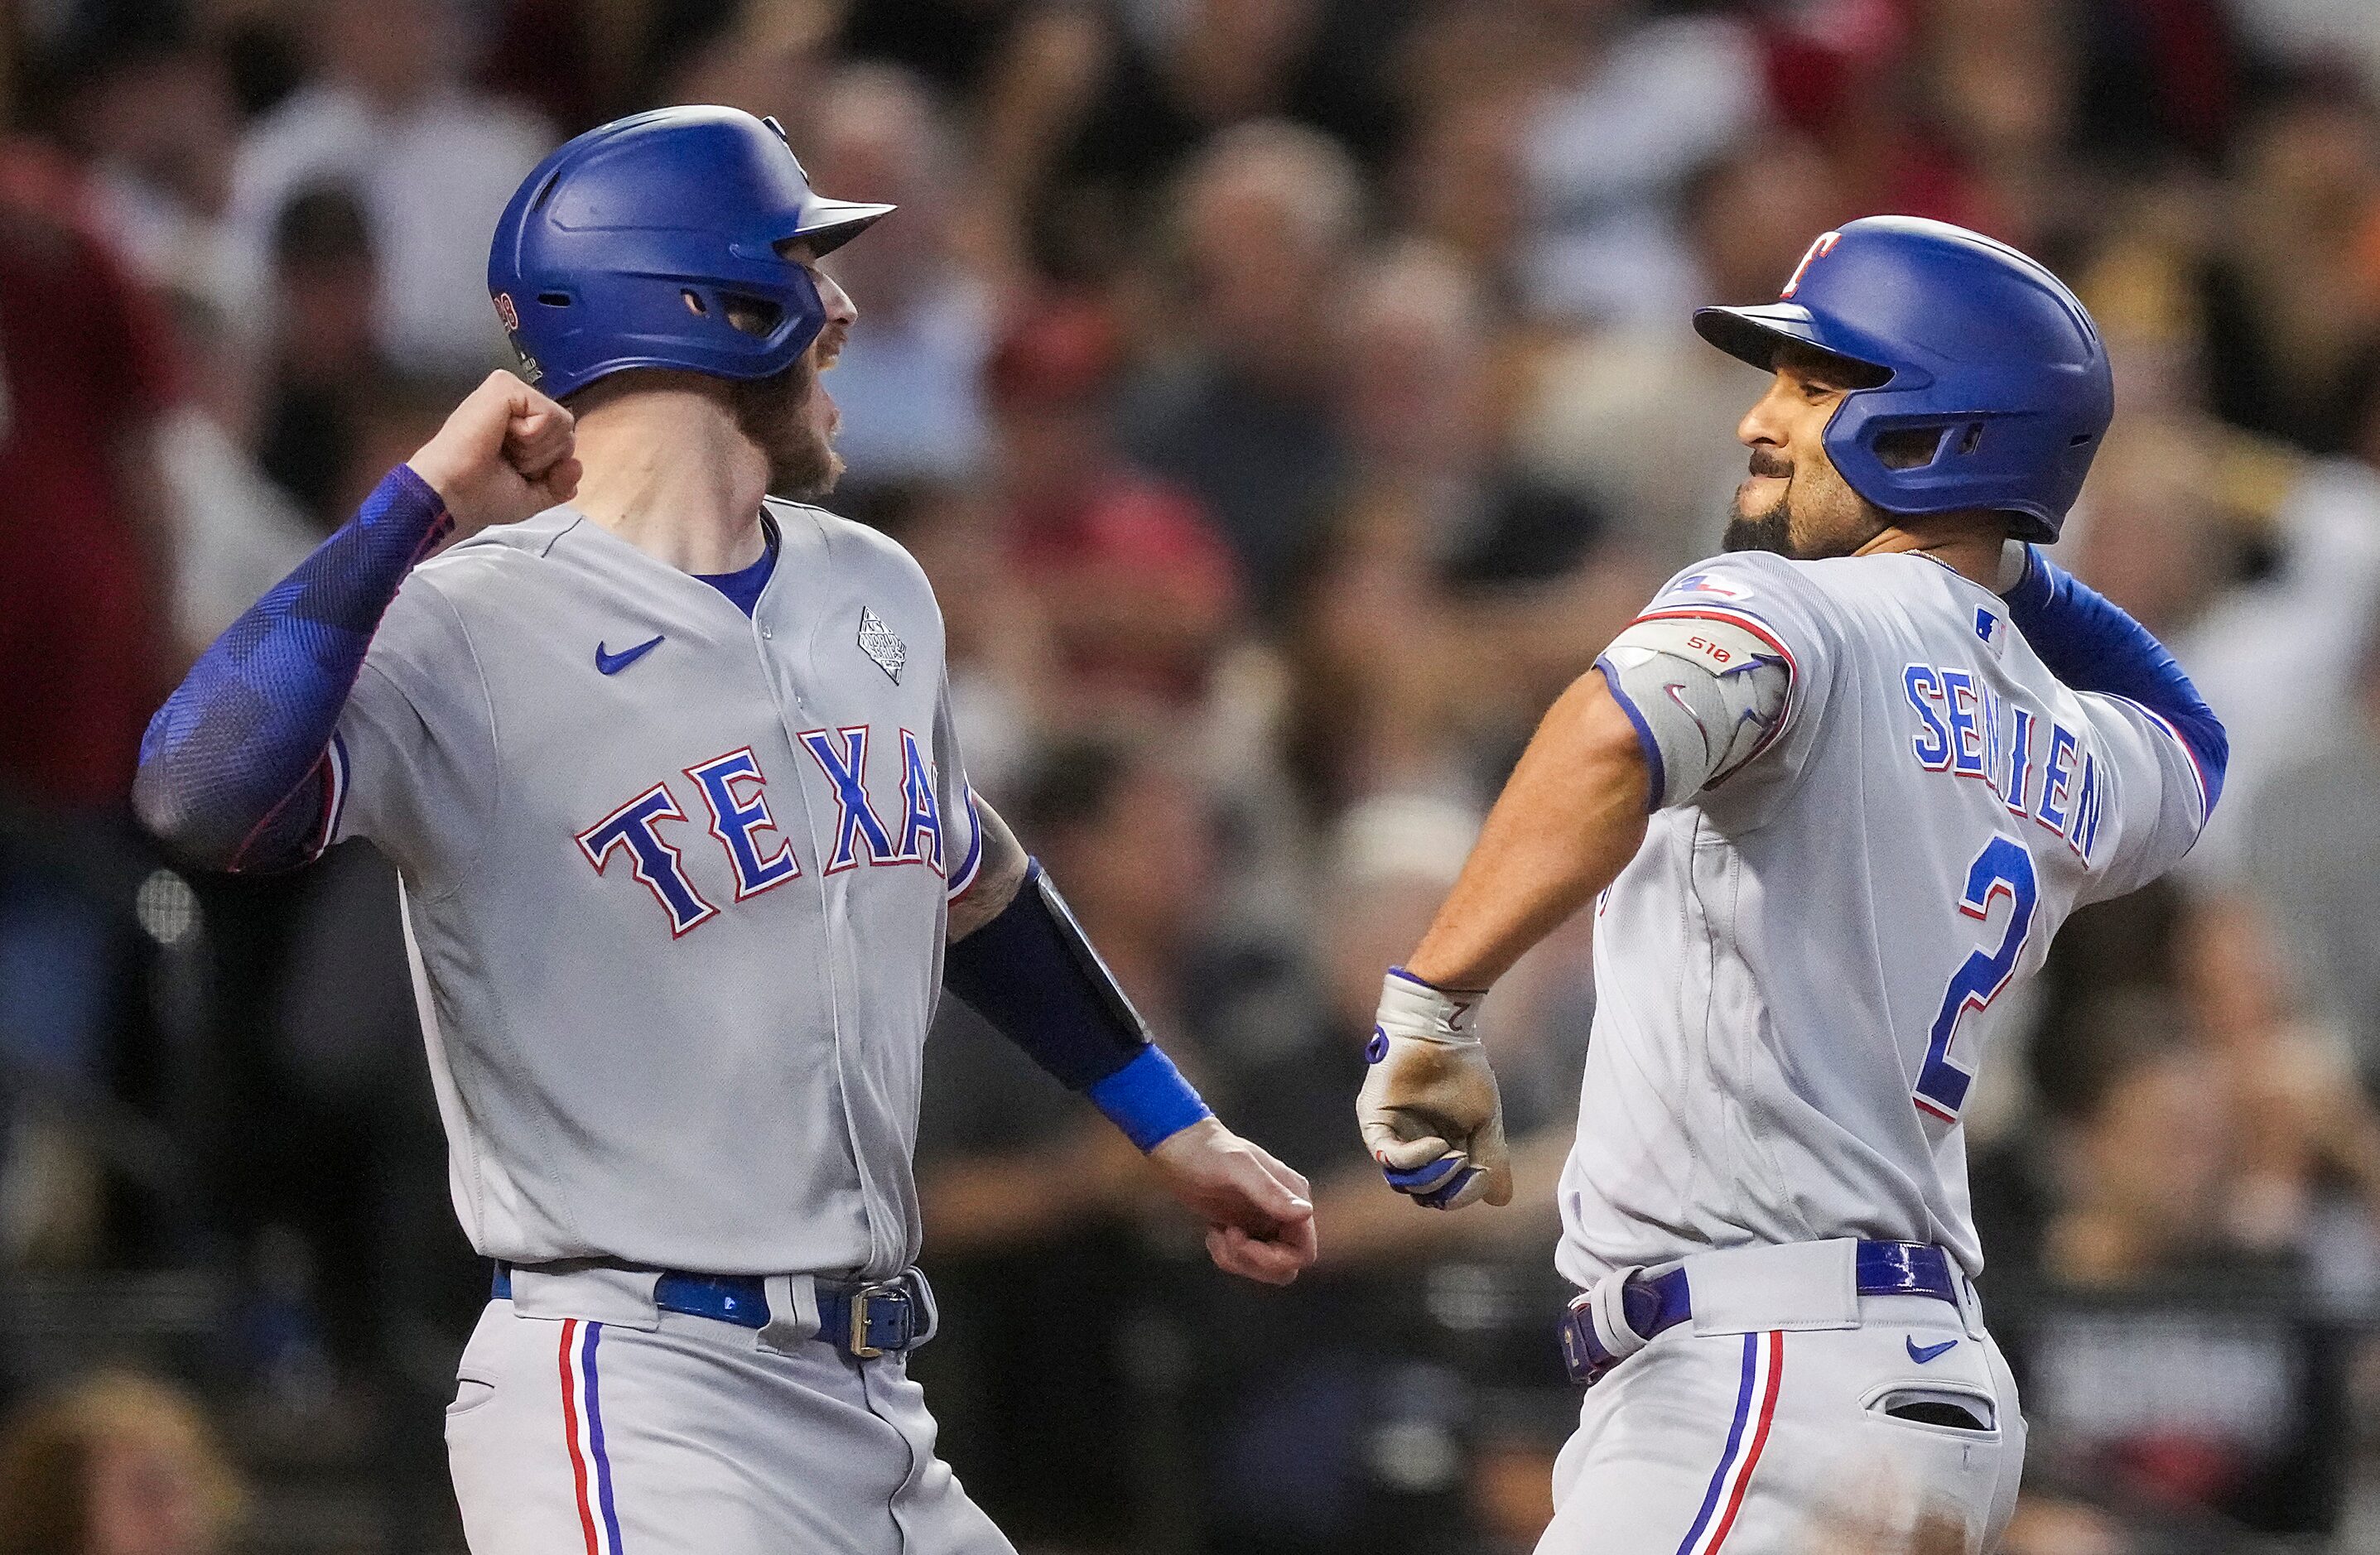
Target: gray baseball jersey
674,887
1796,972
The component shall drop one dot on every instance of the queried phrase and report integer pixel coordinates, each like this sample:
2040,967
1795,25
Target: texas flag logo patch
1703,583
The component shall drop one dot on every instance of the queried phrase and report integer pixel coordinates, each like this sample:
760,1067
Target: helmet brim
828,225
1754,335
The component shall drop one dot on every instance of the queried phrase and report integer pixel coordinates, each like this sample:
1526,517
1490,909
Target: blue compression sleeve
234,769
1033,975
2088,642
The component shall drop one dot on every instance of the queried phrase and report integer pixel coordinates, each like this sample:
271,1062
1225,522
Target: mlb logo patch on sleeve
1991,630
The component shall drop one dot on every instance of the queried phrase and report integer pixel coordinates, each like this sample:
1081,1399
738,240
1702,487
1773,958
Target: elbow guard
1705,695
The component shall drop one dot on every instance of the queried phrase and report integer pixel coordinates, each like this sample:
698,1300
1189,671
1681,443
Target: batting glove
1429,1108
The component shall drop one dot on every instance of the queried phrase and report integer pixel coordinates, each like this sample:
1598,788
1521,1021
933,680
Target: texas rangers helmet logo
878,642
1817,251
507,312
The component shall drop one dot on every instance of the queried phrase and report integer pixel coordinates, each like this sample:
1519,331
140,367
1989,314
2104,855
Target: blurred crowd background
1287,398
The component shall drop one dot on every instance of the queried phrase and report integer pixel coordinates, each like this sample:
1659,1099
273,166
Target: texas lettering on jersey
733,791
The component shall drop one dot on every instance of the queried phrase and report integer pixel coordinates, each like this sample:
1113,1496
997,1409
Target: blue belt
862,1320
1656,1305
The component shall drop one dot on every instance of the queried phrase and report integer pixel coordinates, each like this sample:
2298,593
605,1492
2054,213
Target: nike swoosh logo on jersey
1921,1354
613,664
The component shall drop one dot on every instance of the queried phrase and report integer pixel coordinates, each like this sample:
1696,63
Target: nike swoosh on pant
1921,1354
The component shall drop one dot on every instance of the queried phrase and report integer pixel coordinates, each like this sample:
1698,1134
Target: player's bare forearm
1569,821
997,877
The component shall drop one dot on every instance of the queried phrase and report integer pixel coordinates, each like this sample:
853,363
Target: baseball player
687,852
1832,793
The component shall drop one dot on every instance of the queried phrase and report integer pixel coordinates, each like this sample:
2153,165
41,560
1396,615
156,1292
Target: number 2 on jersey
2003,868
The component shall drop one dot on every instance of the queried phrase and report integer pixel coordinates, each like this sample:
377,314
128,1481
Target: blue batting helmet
660,241
1984,349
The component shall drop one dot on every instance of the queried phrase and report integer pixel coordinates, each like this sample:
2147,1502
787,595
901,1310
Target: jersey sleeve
962,822
1729,717
2145,805
413,761
237,769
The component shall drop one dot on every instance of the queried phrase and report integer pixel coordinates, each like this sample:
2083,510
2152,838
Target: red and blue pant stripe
1756,1408
582,1421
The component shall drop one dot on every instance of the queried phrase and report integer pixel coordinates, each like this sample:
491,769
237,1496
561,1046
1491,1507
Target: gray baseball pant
673,1434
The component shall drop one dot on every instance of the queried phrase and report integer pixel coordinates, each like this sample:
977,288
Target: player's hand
1260,1213
503,455
1429,1108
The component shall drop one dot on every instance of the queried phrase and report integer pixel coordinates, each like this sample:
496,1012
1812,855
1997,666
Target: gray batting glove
1429,1108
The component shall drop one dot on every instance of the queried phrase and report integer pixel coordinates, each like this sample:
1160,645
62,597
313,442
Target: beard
1771,531
1834,521
772,412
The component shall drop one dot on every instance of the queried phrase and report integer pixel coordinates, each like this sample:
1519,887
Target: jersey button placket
835,921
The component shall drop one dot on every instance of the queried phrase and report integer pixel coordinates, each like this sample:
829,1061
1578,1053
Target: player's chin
804,466
1769,531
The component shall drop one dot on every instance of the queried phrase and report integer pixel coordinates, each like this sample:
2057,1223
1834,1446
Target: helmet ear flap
1904,448
755,318
794,316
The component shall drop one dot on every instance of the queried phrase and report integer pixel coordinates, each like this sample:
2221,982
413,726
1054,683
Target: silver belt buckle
859,1301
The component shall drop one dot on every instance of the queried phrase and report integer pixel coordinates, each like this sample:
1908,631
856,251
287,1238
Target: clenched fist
504,454
1429,1108
1260,1213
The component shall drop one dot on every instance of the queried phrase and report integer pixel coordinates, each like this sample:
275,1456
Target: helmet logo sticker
1817,251
771,120
507,312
